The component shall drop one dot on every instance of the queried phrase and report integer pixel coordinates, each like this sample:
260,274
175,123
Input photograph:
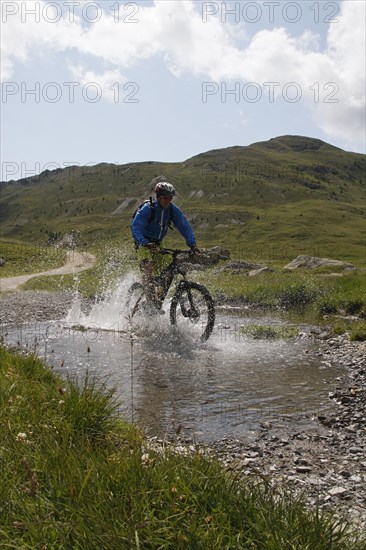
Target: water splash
108,313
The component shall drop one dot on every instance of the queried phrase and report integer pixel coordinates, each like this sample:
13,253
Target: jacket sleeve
139,223
183,226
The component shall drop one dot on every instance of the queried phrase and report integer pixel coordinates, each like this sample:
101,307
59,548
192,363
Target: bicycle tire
134,299
203,305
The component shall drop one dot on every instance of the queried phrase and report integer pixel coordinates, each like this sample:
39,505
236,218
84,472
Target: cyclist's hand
153,248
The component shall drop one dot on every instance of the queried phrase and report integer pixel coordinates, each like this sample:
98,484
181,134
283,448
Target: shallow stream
229,386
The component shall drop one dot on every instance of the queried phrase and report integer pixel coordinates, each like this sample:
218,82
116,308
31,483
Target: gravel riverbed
327,464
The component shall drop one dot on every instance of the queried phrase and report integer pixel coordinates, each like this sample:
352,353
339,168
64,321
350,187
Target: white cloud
174,31
27,32
346,51
107,84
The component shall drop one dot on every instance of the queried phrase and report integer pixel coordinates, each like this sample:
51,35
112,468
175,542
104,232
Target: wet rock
303,469
337,491
356,479
301,461
356,450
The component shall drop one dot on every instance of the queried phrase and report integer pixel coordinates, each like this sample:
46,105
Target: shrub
298,296
327,308
353,306
358,333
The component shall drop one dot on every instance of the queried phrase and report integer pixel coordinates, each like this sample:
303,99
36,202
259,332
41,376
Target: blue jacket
144,232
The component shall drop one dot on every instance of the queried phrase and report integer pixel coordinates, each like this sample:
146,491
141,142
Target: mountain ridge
251,194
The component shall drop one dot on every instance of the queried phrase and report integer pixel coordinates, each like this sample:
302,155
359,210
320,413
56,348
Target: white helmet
164,188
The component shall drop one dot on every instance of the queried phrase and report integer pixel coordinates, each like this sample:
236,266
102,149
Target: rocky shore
328,464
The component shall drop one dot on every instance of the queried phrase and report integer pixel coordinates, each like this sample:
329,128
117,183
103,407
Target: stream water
229,386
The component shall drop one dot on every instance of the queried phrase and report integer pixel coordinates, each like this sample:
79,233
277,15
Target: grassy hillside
273,200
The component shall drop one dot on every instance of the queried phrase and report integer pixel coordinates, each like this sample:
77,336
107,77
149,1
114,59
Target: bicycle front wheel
192,309
135,299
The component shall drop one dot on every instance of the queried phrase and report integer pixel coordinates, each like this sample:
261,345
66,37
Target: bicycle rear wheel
135,300
192,309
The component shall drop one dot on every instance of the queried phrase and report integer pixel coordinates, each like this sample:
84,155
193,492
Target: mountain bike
191,307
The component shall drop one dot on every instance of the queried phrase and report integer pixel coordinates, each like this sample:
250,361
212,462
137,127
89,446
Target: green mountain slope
277,198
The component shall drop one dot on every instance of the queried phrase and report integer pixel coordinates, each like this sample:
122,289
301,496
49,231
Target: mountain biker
148,235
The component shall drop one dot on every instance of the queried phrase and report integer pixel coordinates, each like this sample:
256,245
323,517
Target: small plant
263,332
358,333
297,296
327,308
355,329
352,307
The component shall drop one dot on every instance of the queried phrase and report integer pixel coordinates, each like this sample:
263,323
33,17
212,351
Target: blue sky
109,81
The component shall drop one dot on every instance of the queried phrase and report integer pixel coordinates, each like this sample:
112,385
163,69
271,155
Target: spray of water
108,313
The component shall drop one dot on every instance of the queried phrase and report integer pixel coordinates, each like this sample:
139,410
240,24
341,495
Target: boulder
240,266
215,254
209,257
2,262
263,269
312,262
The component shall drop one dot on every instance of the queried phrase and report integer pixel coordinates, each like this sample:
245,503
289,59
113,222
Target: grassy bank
75,476
23,258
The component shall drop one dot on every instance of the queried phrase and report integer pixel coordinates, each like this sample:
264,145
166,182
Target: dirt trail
75,262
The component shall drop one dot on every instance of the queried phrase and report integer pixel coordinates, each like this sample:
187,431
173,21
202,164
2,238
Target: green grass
74,475
355,329
22,258
111,266
302,291
265,332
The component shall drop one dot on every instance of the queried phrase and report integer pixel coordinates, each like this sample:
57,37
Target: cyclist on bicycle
148,232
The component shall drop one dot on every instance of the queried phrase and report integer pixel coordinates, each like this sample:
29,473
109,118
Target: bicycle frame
166,277
190,301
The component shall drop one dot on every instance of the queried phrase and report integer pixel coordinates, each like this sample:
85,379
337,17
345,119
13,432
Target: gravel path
75,262
328,464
